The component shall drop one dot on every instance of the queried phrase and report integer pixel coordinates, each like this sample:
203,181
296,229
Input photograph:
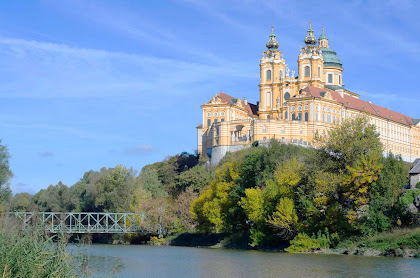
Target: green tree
345,144
114,189
149,180
196,178
56,198
22,202
5,176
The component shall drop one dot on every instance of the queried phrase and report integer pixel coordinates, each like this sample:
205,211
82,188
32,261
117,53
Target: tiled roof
361,105
416,168
251,108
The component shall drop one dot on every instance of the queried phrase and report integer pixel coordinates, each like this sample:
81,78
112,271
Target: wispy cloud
46,154
140,150
68,130
20,187
43,69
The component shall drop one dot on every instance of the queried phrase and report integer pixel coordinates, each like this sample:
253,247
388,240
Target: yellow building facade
293,107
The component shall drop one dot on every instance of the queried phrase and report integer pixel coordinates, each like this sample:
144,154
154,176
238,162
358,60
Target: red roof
251,108
361,105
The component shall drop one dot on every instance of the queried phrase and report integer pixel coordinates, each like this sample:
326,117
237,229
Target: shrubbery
280,192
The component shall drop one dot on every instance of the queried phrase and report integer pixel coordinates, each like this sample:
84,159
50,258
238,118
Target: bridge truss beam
82,222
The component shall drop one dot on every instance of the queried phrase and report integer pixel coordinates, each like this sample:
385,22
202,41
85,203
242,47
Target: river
177,262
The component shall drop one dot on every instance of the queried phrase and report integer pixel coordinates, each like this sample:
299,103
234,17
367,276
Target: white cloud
140,150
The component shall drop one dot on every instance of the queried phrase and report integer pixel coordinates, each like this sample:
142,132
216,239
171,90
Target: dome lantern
272,44
310,40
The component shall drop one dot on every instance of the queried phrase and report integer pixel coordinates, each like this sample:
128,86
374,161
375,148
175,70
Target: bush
302,242
409,196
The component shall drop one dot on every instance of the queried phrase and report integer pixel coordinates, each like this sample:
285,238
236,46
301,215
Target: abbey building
294,106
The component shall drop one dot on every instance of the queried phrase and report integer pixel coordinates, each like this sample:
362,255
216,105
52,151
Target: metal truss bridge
82,222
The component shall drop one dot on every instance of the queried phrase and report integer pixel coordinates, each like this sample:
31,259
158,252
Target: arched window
222,114
222,120
264,129
208,122
281,75
209,114
268,75
307,71
293,117
215,121
286,115
215,114
293,108
323,117
300,108
300,116
286,96
306,116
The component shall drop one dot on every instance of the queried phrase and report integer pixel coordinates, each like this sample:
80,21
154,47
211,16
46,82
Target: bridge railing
82,222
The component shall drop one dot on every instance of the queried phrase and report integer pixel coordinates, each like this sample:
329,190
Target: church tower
310,62
332,74
272,73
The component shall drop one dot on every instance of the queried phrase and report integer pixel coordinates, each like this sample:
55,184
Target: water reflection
167,261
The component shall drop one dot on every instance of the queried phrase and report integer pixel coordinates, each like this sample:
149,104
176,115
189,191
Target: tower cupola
310,40
272,44
323,40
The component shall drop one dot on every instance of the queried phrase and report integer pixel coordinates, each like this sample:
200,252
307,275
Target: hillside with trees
269,196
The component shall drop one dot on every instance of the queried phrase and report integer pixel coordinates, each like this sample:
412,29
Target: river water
177,262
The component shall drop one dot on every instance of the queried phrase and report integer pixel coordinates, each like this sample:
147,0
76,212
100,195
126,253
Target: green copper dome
330,58
323,37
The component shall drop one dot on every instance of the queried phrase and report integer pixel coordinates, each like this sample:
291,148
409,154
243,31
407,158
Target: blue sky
91,84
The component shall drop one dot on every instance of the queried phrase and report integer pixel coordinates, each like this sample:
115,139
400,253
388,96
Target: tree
56,198
22,202
284,219
149,181
5,176
196,178
114,189
346,143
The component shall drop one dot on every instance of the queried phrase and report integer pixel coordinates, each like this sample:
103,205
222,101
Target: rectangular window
329,119
330,78
268,100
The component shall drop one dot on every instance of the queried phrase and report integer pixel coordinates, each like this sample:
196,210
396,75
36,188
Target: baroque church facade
292,108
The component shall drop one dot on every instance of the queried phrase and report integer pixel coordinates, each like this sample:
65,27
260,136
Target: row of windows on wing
214,121
215,114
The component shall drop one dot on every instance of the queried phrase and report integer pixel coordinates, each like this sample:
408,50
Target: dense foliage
345,186
163,190
312,197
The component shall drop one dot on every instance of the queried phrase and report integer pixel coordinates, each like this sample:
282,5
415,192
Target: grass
386,242
33,254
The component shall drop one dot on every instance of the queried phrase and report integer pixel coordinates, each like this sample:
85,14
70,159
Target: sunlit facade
293,107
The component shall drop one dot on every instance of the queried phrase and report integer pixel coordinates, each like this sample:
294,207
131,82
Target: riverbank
396,243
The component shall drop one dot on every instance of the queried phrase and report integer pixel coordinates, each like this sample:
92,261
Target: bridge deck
82,222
